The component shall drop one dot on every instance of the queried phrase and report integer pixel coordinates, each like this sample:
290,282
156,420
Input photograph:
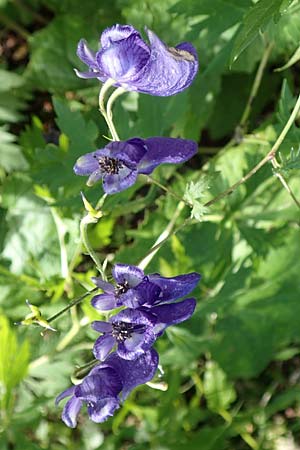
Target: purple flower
131,330
106,386
132,64
134,289
134,331
120,162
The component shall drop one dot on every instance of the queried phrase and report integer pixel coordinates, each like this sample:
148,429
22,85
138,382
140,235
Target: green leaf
13,360
291,162
194,193
11,157
255,21
293,60
219,392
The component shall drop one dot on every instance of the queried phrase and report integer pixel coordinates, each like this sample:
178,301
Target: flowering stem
83,231
70,305
109,115
103,91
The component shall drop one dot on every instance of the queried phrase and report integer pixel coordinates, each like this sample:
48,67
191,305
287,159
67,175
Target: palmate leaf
11,157
292,162
194,194
255,21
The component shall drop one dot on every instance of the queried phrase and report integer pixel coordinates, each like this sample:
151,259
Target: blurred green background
230,375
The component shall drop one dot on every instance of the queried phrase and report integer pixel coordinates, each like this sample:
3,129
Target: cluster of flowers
150,306
149,302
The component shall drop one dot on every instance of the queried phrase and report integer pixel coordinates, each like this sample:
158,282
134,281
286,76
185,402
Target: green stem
103,91
164,236
169,231
81,371
61,232
256,84
109,115
164,188
84,237
267,158
70,305
283,181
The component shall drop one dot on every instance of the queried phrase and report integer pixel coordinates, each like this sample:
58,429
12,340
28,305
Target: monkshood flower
134,331
106,386
120,162
134,65
134,289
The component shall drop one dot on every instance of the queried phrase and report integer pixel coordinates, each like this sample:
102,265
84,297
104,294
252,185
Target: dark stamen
110,166
121,288
122,331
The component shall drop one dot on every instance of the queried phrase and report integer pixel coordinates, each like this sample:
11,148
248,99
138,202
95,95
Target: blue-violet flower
134,331
134,289
125,58
107,384
120,162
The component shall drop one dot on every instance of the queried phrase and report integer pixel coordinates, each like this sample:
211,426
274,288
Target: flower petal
101,326
116,33
71,411
168,71
134,372
104,285
105,381
124,272
123,59
172,314
86,164
86,55
133,316
166,150
104,302
119,182
64,394
103,409
94,177
103,346
144,293
175,287
138,344
131,151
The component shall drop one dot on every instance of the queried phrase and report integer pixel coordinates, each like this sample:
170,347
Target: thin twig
169,191
256,84
70,305
266,159
163,237
283,181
